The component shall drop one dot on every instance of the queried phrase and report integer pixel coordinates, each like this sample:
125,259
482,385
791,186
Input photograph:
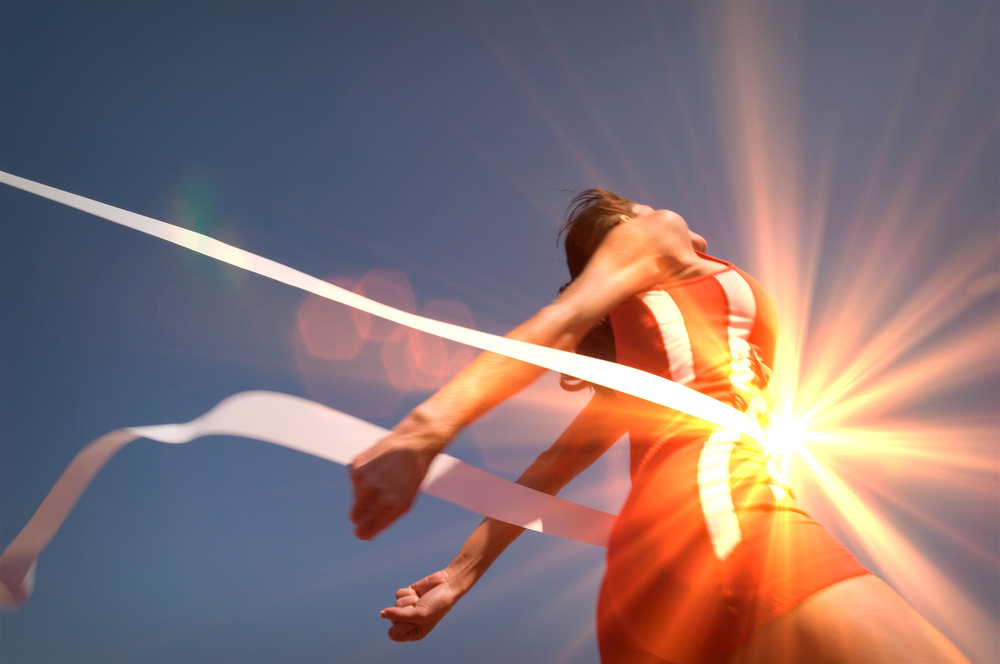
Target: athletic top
715,334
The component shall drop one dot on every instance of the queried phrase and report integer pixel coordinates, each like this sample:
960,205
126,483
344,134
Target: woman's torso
715,334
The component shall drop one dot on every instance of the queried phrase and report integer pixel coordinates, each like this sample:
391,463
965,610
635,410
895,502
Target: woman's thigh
858,620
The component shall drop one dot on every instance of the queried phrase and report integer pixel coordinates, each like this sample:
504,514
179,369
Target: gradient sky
845,153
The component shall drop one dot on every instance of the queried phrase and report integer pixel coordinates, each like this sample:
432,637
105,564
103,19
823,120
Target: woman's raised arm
421,606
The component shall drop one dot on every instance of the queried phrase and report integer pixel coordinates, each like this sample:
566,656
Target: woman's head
592,213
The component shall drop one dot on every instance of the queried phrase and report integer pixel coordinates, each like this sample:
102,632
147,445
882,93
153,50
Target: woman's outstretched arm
420,606
633,257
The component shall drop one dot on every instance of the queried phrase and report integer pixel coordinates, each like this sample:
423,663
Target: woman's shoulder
726,265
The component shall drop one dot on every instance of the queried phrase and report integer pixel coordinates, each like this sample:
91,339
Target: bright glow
784,436
869,423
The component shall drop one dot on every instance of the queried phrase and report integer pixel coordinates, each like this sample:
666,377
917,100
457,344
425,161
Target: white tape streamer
306,426
615,376
311,428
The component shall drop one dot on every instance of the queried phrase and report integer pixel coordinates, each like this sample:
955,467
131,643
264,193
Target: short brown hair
591,215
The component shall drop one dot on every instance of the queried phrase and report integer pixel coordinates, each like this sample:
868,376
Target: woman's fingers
374,510
386,478
405,632
402,614
419,607
407,600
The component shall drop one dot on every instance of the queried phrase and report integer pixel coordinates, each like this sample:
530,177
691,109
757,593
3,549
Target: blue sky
431,144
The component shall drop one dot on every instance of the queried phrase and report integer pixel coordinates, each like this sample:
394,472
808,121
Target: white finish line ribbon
448,478
306,426
615,376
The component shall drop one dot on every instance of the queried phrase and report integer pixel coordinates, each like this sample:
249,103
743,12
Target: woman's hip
710,545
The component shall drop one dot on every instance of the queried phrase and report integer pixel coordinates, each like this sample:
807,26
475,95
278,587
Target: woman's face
697,241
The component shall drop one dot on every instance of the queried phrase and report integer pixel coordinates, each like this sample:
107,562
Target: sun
785,435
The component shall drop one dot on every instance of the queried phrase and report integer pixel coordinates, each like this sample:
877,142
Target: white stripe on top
715,493
674,334
742,312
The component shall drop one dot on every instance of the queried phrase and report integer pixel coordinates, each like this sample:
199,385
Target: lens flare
887,344
329,329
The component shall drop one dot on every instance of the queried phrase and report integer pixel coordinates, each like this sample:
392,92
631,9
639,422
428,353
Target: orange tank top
715,334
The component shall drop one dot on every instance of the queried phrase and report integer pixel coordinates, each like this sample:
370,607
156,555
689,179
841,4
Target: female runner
710,560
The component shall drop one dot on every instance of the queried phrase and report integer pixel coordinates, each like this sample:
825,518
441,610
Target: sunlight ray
521,79
958,363
933,594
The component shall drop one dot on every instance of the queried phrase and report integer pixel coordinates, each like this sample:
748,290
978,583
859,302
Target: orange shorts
709,547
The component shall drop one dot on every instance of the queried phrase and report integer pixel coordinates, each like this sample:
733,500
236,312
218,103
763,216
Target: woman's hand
419,607
387,476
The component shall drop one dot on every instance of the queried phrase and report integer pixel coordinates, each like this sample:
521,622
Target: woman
710,560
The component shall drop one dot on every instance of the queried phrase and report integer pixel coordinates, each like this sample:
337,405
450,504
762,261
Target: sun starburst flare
871,414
